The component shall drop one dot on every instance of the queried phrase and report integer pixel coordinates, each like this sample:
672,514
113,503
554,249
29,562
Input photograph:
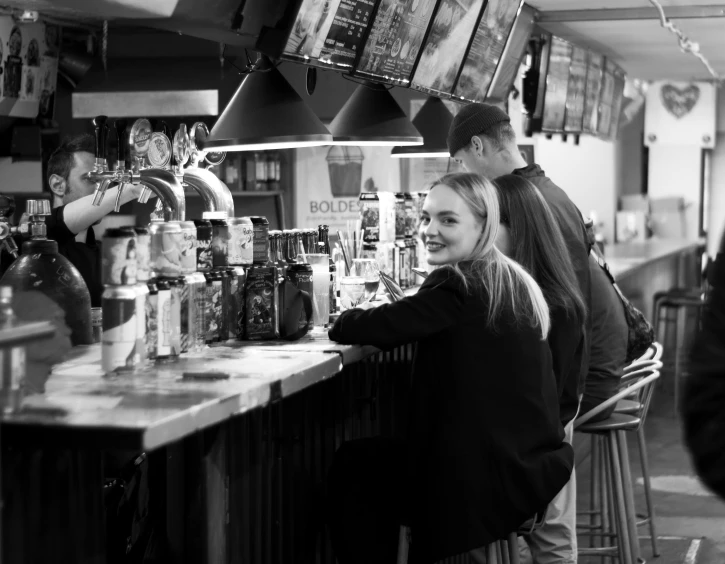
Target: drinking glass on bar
320,264
368,269
352,291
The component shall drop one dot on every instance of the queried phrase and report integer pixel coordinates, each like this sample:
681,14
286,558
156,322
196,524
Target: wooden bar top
166,402
625,258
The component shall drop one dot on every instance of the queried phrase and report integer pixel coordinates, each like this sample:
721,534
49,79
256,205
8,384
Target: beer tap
100,174
120,126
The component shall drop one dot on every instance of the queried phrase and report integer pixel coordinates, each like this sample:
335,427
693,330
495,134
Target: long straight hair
507,284
538,245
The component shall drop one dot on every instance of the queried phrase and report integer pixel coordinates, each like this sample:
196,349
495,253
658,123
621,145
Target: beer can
226,292
163,318
142,296
411,216
188,246
165,248
370,216
152,328
180,288
220,242
261,240
300,275
118,260
231,303
143,256
119,329
197,294
237,323
400,216
333,288
204,258
213,306
176,286
241,241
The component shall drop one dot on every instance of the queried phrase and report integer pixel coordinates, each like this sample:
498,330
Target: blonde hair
505,281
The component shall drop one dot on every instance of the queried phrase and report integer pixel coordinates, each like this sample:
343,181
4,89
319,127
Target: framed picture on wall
527,152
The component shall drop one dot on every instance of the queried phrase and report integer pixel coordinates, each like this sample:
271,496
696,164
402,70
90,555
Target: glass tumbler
320,264
352,291
368,269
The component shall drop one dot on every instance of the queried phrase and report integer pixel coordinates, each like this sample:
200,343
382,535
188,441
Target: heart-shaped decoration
679,101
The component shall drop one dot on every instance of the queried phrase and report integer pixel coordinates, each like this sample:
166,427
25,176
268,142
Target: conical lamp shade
266,113
372,117
433,121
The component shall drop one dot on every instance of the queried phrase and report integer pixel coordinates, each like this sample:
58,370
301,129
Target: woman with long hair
484,450
531,236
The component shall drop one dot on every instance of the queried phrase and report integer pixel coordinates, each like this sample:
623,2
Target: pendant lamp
433,120
266,113
372,117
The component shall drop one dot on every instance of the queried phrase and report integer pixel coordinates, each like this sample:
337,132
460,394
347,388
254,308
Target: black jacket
703,405
571,224
485,443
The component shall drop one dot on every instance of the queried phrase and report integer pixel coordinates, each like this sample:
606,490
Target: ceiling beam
617,14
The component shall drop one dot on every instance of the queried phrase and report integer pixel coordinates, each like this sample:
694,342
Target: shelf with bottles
254,172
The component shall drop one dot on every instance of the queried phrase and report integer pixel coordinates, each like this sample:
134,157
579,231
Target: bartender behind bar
74,215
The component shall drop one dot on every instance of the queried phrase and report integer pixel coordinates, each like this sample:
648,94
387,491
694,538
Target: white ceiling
643,47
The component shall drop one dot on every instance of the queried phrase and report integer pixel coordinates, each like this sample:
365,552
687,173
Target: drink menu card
594,86
310,29
604,124
576,90
395,38
557,83
486,49
347,32
446,45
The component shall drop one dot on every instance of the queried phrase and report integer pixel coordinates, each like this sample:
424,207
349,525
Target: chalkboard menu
485,51
557,84
576,90
594,87
617,101
310,29
513,54
394,40
604,125
446,45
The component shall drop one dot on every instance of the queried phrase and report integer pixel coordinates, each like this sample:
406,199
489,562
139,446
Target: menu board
446,45
576,90
485,50
557,84
604,125
310,29
617,101
594,86
513,54
395,38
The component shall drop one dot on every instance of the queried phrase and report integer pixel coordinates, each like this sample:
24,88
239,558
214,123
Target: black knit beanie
474,119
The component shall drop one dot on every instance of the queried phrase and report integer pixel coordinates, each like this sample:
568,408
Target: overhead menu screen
617,101
604,125
310,29
445,47
594,86
347,32
513,54
557,84
395,39
576,90
485,51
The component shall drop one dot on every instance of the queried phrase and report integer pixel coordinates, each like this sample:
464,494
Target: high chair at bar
612,489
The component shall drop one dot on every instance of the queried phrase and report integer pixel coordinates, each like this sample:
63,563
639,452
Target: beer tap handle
101,131
122,138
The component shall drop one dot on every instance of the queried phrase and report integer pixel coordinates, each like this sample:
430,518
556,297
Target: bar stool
679,300
632,406
611,478
504,551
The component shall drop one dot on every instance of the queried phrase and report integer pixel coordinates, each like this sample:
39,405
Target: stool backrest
653,353
636,381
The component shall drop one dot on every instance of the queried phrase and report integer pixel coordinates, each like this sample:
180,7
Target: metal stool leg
642,443
595,499
631,516
623,540
681,320
609,526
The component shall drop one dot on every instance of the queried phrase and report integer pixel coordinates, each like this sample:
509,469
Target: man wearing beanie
482,139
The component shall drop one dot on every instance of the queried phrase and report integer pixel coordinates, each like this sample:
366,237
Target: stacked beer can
124,326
